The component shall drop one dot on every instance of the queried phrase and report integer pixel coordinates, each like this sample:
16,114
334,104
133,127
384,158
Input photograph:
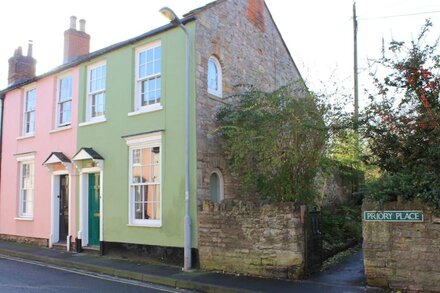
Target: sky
318,33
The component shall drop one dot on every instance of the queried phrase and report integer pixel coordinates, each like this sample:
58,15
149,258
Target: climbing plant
274,142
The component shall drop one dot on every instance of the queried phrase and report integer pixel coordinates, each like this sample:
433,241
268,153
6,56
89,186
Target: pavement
348,277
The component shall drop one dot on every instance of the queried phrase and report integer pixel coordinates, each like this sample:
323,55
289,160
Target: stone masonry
250,237
243,37
403,256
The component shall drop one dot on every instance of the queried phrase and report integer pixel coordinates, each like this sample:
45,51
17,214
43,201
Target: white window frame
218,66
140,142
138,81
25,111
58,103
28,159
90,94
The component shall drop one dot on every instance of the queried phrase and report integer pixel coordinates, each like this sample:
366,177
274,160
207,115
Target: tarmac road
18,275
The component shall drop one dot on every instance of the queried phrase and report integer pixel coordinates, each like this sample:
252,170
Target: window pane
65,89
137,175
103,76
157,57
138,194
212,75
30,100
150,68
65,114
156,195
136,156
30,122
142,71
138,215
152,91
142,56
144,87
158,53
150,53
29,202
24,196
98,104
214,188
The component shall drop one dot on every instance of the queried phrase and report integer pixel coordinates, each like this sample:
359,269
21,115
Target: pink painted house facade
39,133
32,160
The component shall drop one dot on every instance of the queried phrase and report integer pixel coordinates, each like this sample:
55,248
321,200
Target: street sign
393,216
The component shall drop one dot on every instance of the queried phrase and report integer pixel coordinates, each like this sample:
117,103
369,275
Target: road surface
17,275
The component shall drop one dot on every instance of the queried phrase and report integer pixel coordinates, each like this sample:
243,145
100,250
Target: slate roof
91,152
85,58
61,156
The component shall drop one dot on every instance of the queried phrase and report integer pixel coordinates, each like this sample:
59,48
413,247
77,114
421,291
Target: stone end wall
243,37
251,237
403,256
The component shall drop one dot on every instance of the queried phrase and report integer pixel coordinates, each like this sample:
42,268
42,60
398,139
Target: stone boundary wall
250,237
402,256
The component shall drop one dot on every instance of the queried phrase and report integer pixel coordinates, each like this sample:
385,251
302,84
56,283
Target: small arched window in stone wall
216,186
214,77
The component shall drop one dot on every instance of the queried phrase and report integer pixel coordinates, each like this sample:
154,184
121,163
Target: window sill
146,225
216,98
61,128
146,110
23,219
215,94
26,136
91,122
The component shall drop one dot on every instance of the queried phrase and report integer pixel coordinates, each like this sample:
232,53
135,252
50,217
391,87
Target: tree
402,122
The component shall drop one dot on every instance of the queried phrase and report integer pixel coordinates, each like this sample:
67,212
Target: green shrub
340,225
274,142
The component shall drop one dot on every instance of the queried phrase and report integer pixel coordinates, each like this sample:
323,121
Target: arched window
216,186
214,77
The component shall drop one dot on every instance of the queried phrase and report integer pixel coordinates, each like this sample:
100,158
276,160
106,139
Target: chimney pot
29,52
18,51
73,22
76,42
82,25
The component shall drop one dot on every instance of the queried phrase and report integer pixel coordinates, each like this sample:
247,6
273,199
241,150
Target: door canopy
88,154
57,161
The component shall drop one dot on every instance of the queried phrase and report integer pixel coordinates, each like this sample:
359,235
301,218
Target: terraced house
93,152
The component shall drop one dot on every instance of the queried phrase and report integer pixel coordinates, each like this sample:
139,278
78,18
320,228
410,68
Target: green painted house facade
131,113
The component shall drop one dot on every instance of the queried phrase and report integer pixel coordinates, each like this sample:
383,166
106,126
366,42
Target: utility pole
355,68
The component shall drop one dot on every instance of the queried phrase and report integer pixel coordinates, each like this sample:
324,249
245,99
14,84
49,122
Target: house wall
243,37
43,143
106,139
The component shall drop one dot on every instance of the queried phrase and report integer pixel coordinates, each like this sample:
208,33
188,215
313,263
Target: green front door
94,209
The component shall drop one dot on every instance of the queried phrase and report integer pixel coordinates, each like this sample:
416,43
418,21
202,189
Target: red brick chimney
76,43
255,13
21,67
